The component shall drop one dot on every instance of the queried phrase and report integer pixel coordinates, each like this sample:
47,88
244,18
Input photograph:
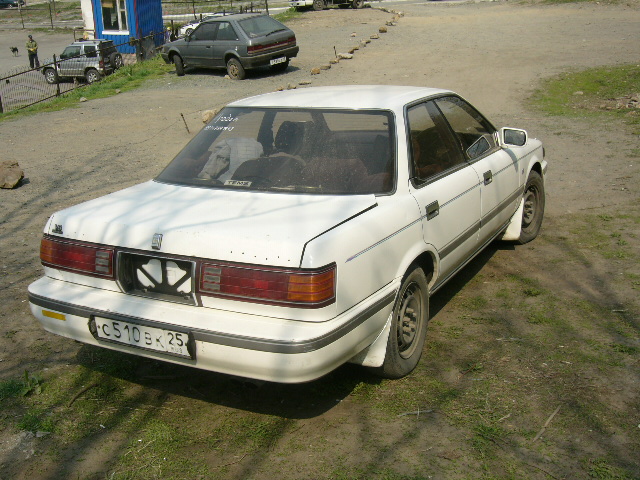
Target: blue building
122,20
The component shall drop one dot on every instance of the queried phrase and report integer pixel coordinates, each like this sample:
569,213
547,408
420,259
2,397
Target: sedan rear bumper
280,350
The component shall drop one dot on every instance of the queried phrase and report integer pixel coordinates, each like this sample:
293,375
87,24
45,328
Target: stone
208,115
10,174
375,36
326,67
382,29
345,56
315,71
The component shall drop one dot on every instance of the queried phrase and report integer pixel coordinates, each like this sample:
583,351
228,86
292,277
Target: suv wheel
51,76
92,75
115,59
235,69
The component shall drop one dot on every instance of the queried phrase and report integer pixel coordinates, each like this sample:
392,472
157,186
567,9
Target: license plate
276,61
143,336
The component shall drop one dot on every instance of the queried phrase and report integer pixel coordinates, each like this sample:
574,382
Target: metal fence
50,14
24,87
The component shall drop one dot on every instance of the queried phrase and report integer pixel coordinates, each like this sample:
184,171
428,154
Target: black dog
14,50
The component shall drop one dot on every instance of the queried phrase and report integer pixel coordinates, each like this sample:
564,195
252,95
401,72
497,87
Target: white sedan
297,231
188,28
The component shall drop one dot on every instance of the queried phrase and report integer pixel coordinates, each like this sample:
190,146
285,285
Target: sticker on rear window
238,183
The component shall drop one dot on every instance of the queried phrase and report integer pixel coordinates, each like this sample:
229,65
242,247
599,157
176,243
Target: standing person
32,50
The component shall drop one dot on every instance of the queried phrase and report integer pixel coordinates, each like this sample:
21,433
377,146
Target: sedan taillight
78,257
301,288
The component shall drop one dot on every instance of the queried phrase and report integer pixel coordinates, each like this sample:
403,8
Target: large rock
10,174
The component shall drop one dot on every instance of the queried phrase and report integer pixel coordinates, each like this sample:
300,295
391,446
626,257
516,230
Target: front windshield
290,150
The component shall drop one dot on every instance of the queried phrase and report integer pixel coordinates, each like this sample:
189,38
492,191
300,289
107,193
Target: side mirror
513,136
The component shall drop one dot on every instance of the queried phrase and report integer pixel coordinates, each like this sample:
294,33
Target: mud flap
373,355
512,232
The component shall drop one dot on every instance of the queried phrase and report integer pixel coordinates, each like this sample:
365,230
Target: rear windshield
290,150
259,26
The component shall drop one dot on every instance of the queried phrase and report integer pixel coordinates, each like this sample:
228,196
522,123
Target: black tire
235,69
318,5
92,75
533,209
408,326
115,59
280,67
177,60
357,4
51,76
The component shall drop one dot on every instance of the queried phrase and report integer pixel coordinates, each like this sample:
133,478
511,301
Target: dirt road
494,54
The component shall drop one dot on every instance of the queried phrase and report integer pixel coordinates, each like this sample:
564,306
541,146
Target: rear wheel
357,3
235,69
408,326
51,76
92,75
177,60
318,5
533,208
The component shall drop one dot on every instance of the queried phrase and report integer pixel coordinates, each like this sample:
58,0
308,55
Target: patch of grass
10,388
37,420
287,15
127,78
600,469
601,90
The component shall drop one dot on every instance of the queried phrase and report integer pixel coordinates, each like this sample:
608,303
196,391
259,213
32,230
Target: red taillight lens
252,49
78,257
303,288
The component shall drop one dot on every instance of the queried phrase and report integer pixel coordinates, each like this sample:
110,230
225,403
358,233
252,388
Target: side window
206,31
70,52
226,32
90,51
433,148
474,132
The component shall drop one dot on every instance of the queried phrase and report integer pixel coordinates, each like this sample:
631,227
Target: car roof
234,16
345,96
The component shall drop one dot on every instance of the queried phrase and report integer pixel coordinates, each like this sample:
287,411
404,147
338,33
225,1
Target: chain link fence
24,87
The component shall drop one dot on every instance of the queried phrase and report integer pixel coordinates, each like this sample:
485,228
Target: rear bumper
265,59
280,350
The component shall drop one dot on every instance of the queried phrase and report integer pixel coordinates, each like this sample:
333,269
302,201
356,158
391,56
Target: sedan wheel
177,60
318,5
235,69
408,327
533,208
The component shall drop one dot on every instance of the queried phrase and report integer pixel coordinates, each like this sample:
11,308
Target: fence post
55,67
50,14
1,109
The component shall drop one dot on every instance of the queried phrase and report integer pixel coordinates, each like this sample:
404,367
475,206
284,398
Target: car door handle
433,209
488,177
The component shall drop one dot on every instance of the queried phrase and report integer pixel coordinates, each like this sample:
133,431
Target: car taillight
252,49
78,257
301,288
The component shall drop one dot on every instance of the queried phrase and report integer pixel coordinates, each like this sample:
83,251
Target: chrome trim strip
352,257
237,341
